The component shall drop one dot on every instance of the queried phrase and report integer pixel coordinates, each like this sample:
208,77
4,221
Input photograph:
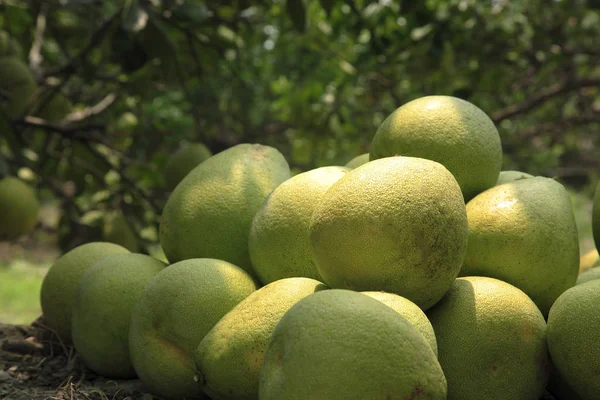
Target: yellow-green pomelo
116,229
19,208
358,161
339,344
510,176
177,309
279,241
9,47
210,212
183,161
588,275
59,287
591,259
524,233
396,224
491,341
596,217
17,81
410,311
573,325
106,294
230,356
446,129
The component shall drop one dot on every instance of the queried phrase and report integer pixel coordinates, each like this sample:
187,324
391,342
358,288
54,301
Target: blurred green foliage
312,78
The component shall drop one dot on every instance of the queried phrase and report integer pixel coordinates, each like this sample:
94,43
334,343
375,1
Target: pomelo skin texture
358,161
19,208
177,309
596,217
59,287
19,84
183,161
588,275
448,130
209,213
511,176
230,356
491,341
279,241
342,345
410,311
396,224
573,326
106,294
524,233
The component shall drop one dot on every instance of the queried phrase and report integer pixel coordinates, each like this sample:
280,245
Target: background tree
136,79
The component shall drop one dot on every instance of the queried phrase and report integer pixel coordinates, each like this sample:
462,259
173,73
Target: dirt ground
35,365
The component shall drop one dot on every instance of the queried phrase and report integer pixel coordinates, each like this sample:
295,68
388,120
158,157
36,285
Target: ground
34,365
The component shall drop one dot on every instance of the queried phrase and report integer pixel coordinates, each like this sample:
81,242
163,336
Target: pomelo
396,224
343,345
279,241
176,310
446,129
59,287
183,161
358,161
230,356
491,341
210,212
410,311
106,294
19,208
573,325
511,176
524,233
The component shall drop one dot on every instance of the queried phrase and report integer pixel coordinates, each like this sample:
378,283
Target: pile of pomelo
419,271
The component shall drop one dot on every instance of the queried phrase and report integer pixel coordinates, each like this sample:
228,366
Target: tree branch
96,109
35,53
544,96
75,62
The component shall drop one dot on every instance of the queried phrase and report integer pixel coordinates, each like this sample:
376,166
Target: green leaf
157,43
297,13
135,18
327,6
192,12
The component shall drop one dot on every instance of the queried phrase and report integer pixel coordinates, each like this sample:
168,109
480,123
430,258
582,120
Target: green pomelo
491,341
596,217
524,233
451,131
19,208
343,345
9,47
588,275
511,176
177,309
17,81
410,311
106,294
210,212
230,356
183,161
573,325
59,287
396,224
358,161
279,241
116,229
